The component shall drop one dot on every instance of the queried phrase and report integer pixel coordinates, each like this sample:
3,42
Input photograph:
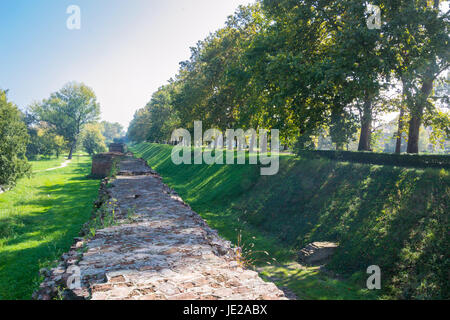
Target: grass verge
39,219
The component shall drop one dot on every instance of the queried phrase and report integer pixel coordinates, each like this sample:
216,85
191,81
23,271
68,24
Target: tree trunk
413,136
417,115
419,106
398,146
72,149
366,127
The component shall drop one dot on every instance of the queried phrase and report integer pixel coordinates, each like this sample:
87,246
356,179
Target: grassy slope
214,192
39,219
396,218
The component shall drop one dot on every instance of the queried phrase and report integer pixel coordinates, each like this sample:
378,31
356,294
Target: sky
125,49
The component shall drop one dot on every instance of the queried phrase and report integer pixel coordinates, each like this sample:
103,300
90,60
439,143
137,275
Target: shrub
13,143
399,160
92,139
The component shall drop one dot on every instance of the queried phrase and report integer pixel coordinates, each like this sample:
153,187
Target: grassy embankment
396,218
39,219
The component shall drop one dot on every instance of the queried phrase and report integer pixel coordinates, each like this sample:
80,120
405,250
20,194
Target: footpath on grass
155,248
63,165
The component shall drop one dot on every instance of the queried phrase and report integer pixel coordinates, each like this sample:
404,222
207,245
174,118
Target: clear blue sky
125,49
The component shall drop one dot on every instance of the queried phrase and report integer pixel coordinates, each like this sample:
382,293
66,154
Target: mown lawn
47,163
39,219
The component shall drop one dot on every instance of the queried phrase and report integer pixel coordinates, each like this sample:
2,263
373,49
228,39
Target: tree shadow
40,236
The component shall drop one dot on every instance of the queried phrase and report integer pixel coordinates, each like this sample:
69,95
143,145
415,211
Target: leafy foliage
13,142
111,131
43,141
309,66
92,139
67,111
417,161
157,120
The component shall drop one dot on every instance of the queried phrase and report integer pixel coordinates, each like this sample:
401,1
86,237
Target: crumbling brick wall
102,164
118,147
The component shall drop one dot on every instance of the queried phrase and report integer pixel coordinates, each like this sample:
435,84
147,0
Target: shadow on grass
389,216
311,284
43,231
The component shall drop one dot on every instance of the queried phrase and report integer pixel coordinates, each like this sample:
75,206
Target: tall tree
213,82
13,143
357,65
68,111
111,131
289,63
92,139
417,41
343,127
139,126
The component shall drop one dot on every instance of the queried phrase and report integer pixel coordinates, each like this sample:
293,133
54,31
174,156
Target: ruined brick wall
102,164
118,147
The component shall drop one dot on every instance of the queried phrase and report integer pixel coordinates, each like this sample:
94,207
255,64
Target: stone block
317,253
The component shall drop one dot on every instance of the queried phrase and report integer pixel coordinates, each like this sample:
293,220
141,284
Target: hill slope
396,218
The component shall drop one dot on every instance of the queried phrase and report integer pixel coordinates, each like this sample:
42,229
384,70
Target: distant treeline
65,122
313,68
413,160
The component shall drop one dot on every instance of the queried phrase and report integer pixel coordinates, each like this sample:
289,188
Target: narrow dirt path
63,165
161,249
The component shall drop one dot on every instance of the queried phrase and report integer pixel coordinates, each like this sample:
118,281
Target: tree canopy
310,68
13,143
111,131
67,111
92,139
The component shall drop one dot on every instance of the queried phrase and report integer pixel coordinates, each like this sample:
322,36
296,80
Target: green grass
46,163
224,196
396,218
312,284
39,219
53,162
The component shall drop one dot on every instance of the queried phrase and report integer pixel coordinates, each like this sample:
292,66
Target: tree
163,117
111,131
43,141
158,119
48,142
357,67
13,143
139,126
307,66
417,44
68,111
92,139
287,62
342,127
212,86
